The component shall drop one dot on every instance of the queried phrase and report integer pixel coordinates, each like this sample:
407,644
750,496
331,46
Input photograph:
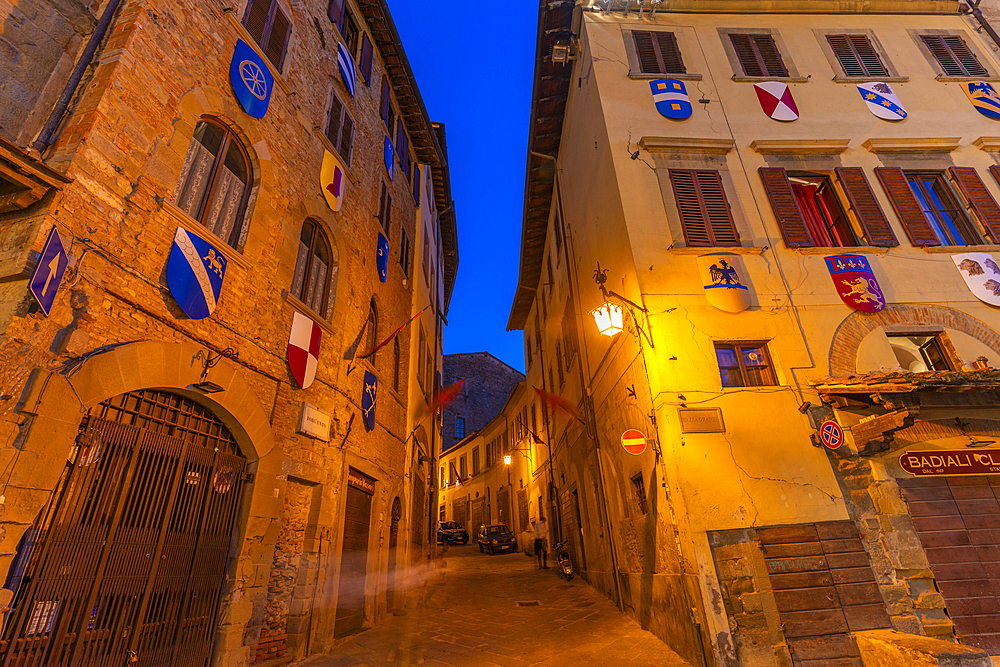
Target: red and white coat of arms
303,349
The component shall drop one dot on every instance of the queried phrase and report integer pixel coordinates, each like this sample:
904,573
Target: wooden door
354,556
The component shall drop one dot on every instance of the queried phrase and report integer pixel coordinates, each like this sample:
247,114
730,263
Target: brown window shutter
704,211
758,54
281,27
366,57
980,198
786,207
671,53
965,57
346,139
845,54
865,206
954,55
657,52
907,208
336,12
385,107
333,126
745,52
645,52
255,20
856,55
769,55
868,56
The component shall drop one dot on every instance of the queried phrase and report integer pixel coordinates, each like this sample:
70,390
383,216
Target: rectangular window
366,58
639,489
954,55
534,420
349,31
856,55
475,461
459,427
270,28
463,469
657,52
403,149
758,55
336,11
340,129
943,214
917,354
385,209
422,344
385,110
703,208
744,365
825,219
569,332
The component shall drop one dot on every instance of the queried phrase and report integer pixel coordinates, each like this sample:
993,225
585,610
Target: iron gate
127,561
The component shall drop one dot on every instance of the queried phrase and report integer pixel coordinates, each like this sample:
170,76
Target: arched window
371,335
313,268
215,182
396,357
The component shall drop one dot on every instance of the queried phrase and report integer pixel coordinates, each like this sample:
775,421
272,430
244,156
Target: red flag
556,402
445,396
368,353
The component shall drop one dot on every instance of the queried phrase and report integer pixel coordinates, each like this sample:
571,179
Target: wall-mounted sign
981,274
724,279
671,98
775,99
314,422
360,481
984,98
879,427
855,282
701,420
223,480
303,349
195,269
332,180
882,100
49,272
387,154
347,70
831,434
382,257
251,79
369,391
634,441
950,462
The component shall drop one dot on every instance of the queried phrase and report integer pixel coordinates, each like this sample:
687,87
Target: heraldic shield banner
855,282
369,390
303,349
671,98
724,279
333,180
981,274
251,79
382,257
195,269
984,97
882,100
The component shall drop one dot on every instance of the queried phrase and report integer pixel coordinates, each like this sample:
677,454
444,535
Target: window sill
866,249
958,249
679,77
948,79
245,36
759,79
870,79
192,225
703,250
307,311
326,144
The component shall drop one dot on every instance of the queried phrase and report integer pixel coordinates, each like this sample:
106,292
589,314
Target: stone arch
857,325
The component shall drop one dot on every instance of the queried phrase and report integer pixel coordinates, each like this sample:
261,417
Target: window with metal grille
857,55
744,365
758,54
385,209
954,55
459,427
703,208
657,52
340,129
270,28
214,187
313,269
639,489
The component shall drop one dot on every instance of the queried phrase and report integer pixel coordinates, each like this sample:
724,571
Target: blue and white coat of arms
251,79
387,153
195,270
382,257
671,98
346,65
881,100
369,392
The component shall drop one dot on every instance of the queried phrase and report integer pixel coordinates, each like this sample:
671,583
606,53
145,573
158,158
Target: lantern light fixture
506,459
610,317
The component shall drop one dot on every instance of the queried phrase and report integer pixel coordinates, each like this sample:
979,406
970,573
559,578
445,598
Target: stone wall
488,382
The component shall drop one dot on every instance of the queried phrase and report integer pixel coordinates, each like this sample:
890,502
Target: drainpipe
45,137
974,10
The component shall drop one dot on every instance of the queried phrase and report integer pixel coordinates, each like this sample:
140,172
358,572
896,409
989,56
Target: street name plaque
950,462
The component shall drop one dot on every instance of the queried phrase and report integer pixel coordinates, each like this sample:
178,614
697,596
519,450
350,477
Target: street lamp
506,460
609,317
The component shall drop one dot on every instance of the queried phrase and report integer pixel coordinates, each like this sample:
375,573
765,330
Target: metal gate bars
127,561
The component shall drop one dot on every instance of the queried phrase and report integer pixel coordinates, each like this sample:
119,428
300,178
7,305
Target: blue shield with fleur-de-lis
251,79
382,257
369,393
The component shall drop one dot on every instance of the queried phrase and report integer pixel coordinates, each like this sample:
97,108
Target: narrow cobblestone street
472,615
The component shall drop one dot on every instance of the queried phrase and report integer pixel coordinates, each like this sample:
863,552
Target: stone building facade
817,482
488,382
287,517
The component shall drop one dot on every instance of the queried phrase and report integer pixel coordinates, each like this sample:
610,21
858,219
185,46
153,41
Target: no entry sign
831,434
634,441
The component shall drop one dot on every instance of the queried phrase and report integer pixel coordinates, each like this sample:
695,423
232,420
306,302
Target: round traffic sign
831,434
634,441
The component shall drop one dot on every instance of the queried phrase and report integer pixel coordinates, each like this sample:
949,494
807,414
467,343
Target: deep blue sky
474,66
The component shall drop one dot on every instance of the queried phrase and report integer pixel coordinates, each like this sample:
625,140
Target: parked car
452,532
497,537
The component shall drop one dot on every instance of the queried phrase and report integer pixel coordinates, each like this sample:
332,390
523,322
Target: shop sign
935,463
724,280
701,420
855,282
369,390
671,98
49,272
251,79
634,441
314,422
360,481
195,270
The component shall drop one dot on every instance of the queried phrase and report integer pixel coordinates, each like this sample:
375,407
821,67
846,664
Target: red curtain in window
814,217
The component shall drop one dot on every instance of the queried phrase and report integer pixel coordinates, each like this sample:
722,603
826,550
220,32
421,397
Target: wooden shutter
907,208
336,12
980,198
386,106
333,126
346,138
856,55
403,148
703,208
255,20
758,55
366,57
866,207
786,207
954,55
281,27
658,52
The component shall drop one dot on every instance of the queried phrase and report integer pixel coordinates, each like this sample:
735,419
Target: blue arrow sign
49,272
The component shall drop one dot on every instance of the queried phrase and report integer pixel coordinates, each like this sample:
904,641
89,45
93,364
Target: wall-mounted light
609,316
207,387
506,459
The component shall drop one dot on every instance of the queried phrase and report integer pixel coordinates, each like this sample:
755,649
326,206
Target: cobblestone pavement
471,617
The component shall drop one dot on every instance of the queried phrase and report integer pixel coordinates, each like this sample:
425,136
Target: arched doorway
127,560
395,515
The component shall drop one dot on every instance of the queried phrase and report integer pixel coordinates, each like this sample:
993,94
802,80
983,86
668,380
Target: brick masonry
488,382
